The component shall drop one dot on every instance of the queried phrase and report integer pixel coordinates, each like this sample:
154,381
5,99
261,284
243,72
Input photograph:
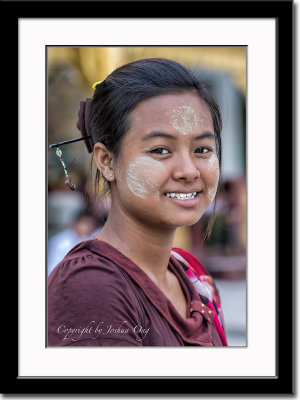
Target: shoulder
88,288
188,259
82,268
205,283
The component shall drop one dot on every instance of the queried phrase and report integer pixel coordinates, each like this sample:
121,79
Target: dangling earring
68,182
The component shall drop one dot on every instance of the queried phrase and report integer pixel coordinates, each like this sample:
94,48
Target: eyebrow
156,134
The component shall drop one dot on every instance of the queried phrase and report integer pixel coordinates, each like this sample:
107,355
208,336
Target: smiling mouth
182,196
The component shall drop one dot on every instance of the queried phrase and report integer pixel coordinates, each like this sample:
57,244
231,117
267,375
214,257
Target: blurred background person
82,225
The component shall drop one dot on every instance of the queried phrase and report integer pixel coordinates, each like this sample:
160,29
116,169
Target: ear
104,161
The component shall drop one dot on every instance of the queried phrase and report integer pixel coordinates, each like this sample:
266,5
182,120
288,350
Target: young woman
155,135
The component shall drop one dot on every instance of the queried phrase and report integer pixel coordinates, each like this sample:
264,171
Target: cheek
212,176
143,176
211,193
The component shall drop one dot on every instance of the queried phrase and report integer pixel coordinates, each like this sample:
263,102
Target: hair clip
83,126
69,141
68,182
96,84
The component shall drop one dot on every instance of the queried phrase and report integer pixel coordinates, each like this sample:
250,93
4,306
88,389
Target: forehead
167,107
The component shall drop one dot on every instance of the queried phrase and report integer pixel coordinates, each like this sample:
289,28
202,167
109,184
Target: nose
186,169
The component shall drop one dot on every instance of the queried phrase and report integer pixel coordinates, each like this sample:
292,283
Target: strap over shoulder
204,285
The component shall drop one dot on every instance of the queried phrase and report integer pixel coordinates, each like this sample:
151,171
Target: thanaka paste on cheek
142,175
184,119
211,192
213,167
213,163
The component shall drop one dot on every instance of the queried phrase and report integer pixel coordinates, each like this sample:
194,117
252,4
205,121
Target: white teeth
182,196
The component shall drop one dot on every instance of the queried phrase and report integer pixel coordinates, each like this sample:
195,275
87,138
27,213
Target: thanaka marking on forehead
184,119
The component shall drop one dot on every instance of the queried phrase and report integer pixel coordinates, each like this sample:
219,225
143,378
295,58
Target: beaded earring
68,182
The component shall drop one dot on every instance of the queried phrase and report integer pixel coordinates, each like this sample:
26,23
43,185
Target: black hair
116,97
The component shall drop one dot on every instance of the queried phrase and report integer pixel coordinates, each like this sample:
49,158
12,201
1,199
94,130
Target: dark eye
160,150
202,150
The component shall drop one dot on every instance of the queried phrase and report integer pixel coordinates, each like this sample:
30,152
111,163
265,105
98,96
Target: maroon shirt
99,297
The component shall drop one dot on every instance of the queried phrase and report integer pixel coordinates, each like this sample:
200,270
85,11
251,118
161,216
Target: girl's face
168,169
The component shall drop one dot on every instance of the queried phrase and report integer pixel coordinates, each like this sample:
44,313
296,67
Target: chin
177,222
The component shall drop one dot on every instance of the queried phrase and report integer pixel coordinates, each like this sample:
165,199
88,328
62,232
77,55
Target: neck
148,247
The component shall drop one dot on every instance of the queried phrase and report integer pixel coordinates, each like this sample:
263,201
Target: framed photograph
263,362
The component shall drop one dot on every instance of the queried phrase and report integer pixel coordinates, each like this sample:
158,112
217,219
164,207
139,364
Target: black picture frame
283,382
